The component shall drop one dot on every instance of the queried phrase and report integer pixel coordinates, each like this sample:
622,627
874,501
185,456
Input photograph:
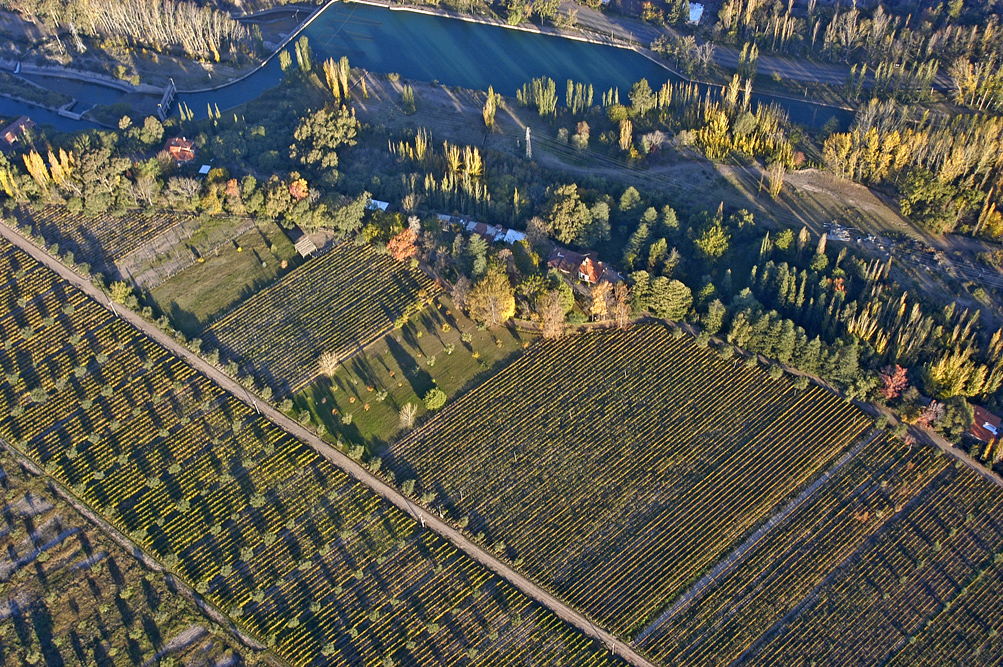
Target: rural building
511,237
986,425
585,267
696,12
13,133
490,233
180,149
375,204
304,246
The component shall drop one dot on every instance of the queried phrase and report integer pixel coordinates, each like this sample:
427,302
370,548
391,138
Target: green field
239,269
618,466
300,555
338,302
430,351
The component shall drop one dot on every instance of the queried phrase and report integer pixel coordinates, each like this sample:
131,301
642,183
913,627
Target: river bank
461,51
579,36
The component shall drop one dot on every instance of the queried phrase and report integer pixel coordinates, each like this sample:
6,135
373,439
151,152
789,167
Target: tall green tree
670,299
319,135
567,214
642,100
713,241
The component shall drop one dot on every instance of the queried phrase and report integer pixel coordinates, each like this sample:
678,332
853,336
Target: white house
512,237
696,12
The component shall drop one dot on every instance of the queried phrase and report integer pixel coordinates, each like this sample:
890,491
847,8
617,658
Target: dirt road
357,471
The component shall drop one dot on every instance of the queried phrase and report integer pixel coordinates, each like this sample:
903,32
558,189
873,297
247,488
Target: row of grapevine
98,241
729,617
299,554
923,591
86,600
338,302
619,465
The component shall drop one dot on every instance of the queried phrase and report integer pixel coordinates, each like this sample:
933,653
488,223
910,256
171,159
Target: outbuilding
13,133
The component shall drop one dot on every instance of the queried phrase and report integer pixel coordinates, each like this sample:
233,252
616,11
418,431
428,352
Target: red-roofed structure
986,426
585,267
181,149
12,134
589,271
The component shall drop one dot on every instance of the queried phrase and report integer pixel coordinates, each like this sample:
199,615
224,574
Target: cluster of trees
944,170
913,83
684,51
97,171
461,186
197,31
545,11
718,120
539,94
890,328
667,12
727,125
901,49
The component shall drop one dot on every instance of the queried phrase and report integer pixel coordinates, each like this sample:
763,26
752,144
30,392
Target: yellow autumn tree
955,374
492,299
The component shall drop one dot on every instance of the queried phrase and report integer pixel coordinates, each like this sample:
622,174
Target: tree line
198,31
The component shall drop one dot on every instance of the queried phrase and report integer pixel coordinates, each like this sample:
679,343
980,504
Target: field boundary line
428,519
733,559
767,637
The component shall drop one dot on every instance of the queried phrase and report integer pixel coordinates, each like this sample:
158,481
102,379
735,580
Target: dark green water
471,55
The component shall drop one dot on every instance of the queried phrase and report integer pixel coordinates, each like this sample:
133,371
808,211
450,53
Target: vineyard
97,241
338,302
300,555
923,591
619,465
73,596
780,573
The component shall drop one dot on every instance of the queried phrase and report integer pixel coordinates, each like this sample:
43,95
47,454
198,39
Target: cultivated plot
98,240
71,595
618,466
303,557
338,302
923,591
786,568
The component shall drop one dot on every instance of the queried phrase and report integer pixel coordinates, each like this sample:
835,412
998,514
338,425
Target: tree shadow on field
362,369
419,379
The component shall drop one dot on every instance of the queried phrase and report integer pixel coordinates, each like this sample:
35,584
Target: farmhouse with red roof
986,426
181,149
